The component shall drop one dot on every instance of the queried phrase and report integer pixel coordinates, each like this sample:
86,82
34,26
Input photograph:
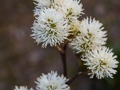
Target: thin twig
75,76
63,57
59,49
79,61
78,73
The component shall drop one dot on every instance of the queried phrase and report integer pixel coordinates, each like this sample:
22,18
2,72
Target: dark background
22,60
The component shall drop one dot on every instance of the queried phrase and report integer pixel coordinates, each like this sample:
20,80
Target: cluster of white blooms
101,61
51,81
71,9
53,17
90,35
57,22
22,88
50,28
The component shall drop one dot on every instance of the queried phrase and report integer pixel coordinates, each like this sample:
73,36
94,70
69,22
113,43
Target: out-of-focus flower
52,81
50,27
21,88
101,62
47,3
90,35
42,3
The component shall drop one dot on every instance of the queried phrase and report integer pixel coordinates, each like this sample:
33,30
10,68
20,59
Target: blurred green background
22,60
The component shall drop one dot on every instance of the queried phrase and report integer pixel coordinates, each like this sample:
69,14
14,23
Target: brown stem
78,73
74,77
79,61
59,49
63,57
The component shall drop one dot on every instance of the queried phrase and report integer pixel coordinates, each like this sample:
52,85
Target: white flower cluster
22,88
53,18
51,81
90,35
101,61
57,22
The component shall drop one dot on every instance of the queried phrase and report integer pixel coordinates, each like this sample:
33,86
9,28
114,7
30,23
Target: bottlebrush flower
101,62
47,3
21,88
52,81
72,9
50,28
91,35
